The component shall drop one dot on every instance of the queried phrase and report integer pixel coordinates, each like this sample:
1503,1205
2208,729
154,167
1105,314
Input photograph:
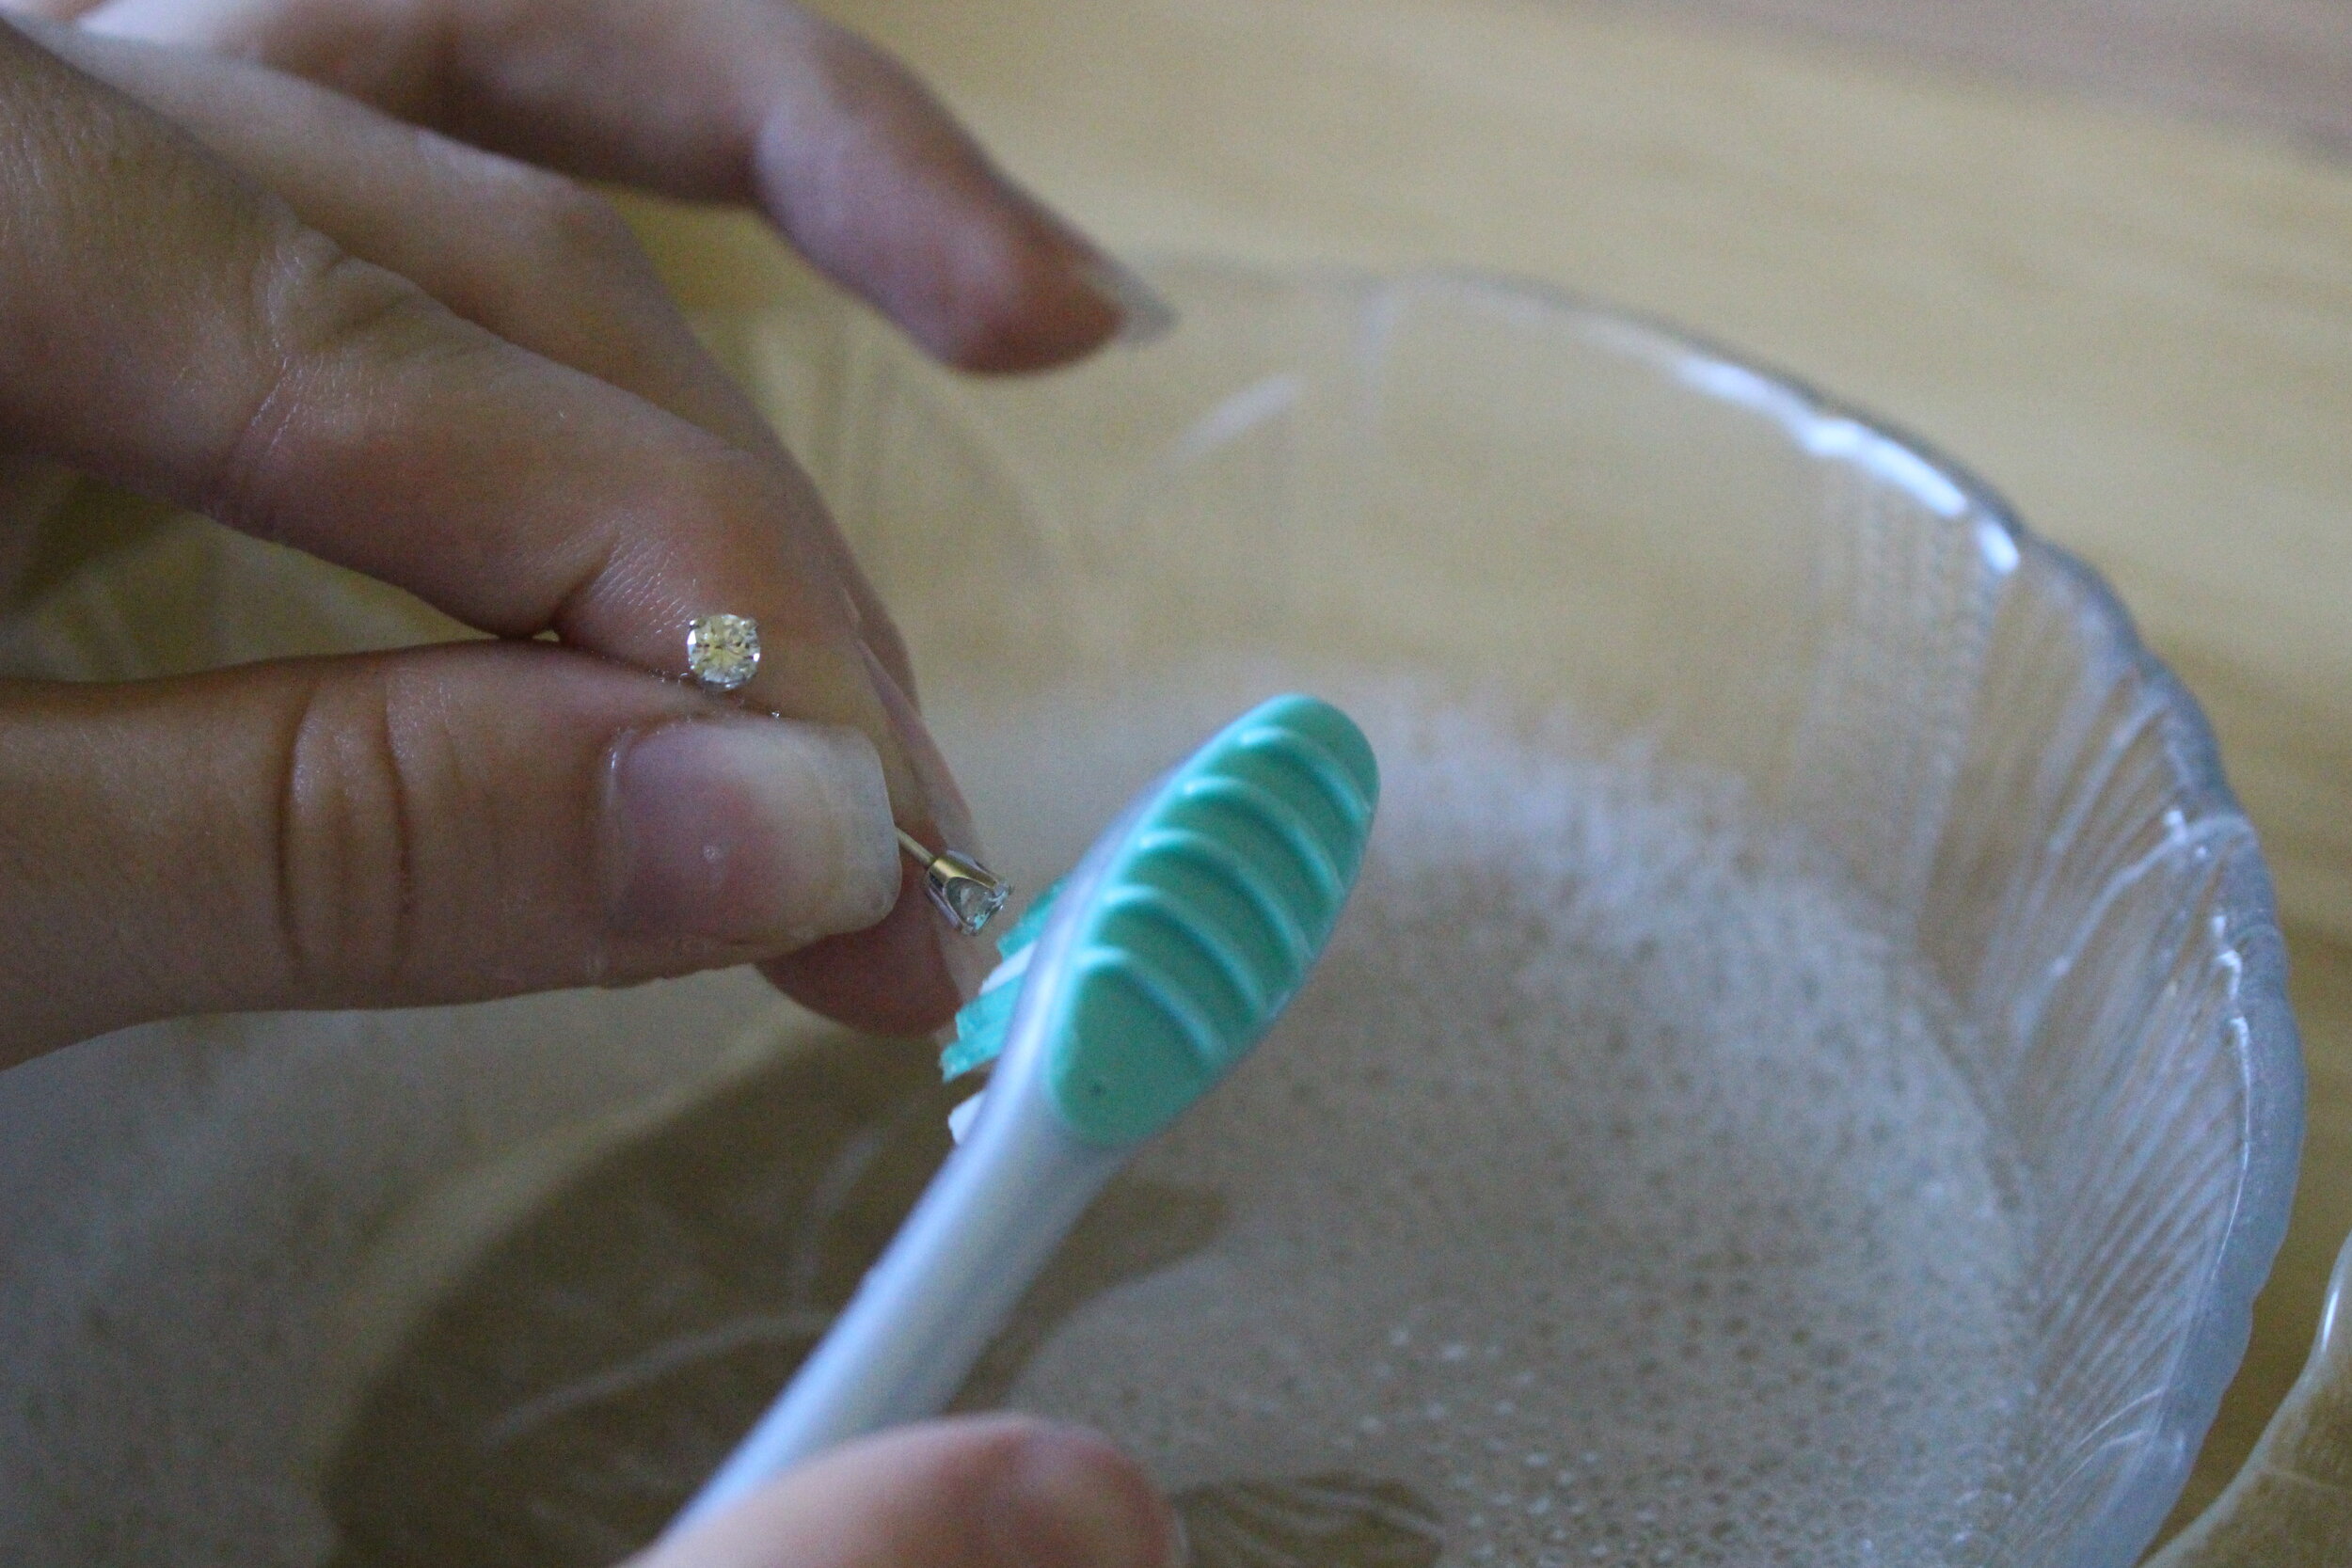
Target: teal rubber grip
1209,911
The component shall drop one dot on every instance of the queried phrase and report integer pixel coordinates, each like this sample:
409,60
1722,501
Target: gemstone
722,651
966,892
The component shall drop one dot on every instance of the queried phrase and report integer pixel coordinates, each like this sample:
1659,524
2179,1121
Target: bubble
1647,1126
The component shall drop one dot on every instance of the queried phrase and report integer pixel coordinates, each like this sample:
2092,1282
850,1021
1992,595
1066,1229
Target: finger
175,329
528,255
749,100
441,825
983,1492
834,976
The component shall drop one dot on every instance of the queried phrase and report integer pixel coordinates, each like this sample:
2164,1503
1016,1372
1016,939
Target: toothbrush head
1155,966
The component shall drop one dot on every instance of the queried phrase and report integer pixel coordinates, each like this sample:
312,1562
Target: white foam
1609,1185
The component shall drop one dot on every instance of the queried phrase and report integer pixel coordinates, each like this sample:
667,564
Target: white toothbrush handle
981,1232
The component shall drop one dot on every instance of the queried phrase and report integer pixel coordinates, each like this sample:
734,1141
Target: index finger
176,329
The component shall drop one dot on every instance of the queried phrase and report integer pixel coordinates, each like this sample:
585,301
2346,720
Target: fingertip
749,830
984,280
1145,316
1072,1500
1045,296
1000,1491
892,978
1041,300
880,187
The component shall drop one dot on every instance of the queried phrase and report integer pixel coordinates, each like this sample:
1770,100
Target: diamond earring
723,654
964,890
722,651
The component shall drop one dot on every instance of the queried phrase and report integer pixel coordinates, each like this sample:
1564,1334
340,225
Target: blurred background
2283,65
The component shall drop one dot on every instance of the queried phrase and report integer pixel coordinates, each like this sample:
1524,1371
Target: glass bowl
1502,498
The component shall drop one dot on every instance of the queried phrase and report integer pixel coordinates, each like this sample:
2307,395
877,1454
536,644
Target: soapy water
1607,1196
1610,1185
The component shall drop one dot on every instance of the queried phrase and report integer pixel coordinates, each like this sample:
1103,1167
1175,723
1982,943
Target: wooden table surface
2136,323
2284,66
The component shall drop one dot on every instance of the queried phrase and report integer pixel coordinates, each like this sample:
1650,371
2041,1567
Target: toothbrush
1128,992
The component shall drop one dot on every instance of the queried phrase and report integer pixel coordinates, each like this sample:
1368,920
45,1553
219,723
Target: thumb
446,824
979,1492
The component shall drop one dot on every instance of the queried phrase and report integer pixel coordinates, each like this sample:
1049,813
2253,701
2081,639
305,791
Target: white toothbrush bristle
959,1120
1010,971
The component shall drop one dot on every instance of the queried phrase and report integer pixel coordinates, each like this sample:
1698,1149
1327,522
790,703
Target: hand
452,370
752,102
983,1492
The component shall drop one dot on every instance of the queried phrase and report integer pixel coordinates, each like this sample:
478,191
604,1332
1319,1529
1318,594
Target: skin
324,272
451,369
980,1492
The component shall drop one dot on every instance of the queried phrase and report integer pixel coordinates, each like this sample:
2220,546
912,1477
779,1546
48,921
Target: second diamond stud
964,890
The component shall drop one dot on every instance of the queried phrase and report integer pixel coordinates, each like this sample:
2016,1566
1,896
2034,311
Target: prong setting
966,893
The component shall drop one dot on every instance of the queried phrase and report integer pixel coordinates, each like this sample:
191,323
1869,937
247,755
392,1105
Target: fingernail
1074,1501
967,961
942,799
749,831
1144,317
